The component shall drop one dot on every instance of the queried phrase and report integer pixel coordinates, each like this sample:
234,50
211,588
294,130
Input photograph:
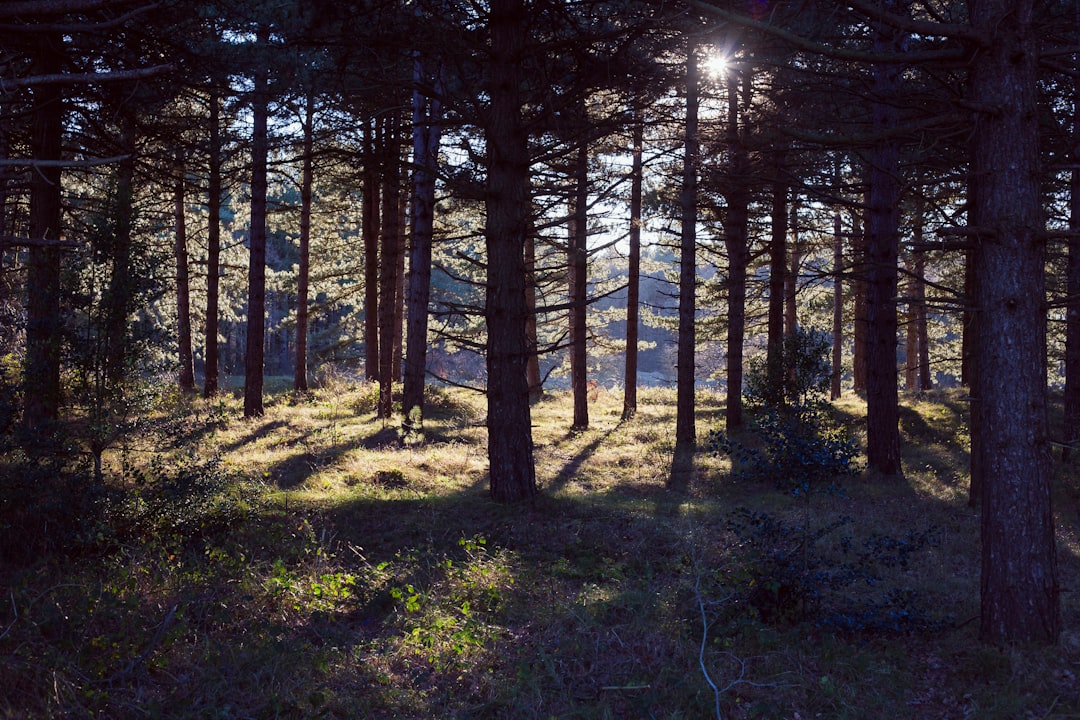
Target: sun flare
716,64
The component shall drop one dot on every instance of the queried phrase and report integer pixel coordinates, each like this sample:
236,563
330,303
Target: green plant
802,449
788,573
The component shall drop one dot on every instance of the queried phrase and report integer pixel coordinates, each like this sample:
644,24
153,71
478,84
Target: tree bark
1020,593
183,291
213,252
512,474
256,315
882,256
737,193
532,366
577,265
1071,400
300,379
371,232
633,273
685,427
838,309
774,365
43,323
859,328
388,267
427,132
121,295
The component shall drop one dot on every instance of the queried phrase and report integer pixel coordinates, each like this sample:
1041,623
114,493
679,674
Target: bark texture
1020,594
510,447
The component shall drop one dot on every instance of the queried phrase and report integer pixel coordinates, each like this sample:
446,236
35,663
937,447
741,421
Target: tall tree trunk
398,355
300,380
183,291
213,251
256,316
838,308
791,290
685,427
121,295
1071,401
427,132
577,265
774,360
1019,585
388,267
512,473
371,232
532,366
737,192
633,273
859,328
882,255
911,333
43,324
969,347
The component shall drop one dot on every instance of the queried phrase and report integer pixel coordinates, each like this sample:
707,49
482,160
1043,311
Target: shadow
256,433
573,466
682,468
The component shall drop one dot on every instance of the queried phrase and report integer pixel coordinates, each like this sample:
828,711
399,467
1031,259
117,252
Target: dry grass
356,577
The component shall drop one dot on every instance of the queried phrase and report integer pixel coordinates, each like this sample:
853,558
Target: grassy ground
305,564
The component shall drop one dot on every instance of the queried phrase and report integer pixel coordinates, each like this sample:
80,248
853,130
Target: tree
256,313
633,279
43,320
510,447
685,428
1020,592
427,132
183,291
882,251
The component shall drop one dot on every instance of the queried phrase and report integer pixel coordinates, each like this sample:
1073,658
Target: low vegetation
309,564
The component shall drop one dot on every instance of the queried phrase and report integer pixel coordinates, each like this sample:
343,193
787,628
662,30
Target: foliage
793,379
788,573
803,449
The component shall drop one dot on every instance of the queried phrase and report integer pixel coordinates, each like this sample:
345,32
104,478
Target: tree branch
84,78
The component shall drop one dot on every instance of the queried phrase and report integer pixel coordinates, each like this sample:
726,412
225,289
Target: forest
537,359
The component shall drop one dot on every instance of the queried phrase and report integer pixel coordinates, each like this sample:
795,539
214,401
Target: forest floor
308,565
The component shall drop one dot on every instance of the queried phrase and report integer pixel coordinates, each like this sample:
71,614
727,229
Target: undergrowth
308,565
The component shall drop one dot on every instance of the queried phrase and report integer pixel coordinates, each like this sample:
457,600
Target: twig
136,662
15,610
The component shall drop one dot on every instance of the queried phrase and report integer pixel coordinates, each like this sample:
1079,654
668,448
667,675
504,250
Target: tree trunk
1020,593
213,251
300,380
882,256
183,293
121,295
1071,401
388,267
256,316
838,308
633,273
737,192
427,132
685,427
791,295
43,323
859,329
398,354
371,232
532,369
577,265
774,361
512,474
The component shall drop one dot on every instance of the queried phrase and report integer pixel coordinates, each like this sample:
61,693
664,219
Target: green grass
322,569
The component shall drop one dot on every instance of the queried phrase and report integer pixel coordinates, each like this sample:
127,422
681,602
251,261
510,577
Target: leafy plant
788,573
801,448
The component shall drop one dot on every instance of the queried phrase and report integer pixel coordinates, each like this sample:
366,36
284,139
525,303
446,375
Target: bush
802,449
788,573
